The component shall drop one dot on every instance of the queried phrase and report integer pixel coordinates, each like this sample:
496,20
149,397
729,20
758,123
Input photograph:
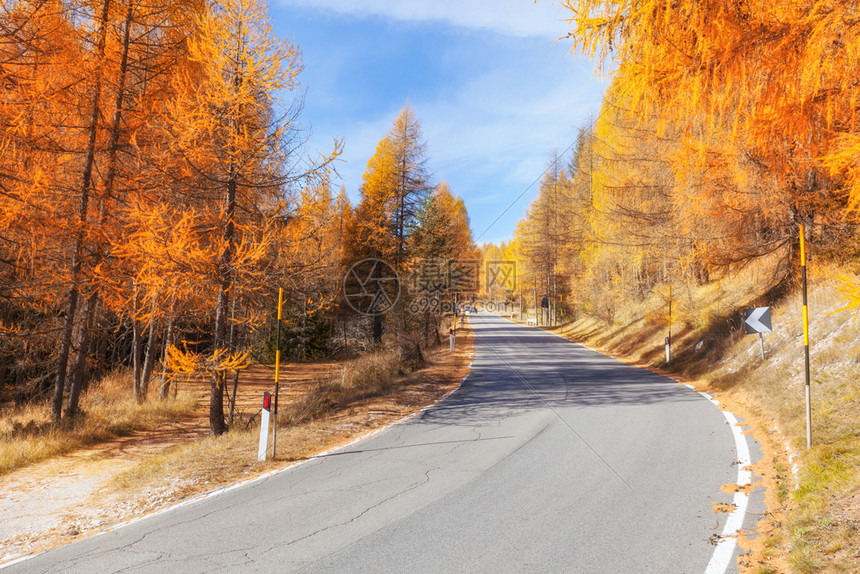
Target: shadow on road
519,368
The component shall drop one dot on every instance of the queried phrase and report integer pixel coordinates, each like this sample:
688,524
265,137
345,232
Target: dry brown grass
822,530
27,434
370,375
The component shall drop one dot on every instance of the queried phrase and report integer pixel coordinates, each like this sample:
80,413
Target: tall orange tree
441,245
37,141
232,144
63,120
441,228
393,187
127,46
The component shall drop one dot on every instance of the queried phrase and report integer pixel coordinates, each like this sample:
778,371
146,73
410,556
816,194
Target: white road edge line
729,538
722,556
260,478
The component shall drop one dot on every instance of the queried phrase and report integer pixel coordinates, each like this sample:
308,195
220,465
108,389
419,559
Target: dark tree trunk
101,355
234,344
136,352
149,361
20,394
233,398
377,328
86,185
217,425
164,387
146,369
80,373
66,342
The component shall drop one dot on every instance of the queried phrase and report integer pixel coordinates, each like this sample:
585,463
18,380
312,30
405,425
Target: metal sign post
805,336
758,321
264,428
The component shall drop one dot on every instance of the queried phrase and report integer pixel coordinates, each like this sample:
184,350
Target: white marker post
451,336
668,340
264,427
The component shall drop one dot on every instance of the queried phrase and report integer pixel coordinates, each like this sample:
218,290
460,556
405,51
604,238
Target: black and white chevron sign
757,320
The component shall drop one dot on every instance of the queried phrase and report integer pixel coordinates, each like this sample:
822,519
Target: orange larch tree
233,144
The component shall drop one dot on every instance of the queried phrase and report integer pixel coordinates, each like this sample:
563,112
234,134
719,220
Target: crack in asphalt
358,516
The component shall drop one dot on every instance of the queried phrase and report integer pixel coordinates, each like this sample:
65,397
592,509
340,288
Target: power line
543,173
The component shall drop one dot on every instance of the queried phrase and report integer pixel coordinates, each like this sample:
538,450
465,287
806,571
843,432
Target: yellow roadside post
277,371
805,336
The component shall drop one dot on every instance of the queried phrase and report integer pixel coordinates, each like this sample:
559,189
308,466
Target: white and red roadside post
264,427
451,337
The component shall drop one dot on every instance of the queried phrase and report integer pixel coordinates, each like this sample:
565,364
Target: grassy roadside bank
813,523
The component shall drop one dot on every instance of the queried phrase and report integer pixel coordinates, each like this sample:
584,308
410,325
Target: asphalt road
550,458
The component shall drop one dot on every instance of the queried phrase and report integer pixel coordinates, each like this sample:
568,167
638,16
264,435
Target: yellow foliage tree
772,80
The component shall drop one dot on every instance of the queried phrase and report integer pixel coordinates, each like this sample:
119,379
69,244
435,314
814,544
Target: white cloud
521,18
498,121
491,137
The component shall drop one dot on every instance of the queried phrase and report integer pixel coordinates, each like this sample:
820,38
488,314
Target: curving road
550,458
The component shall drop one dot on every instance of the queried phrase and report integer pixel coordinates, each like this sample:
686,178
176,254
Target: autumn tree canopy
155,193
769,84
724,129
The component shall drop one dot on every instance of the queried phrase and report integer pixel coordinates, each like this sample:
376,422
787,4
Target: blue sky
494,92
